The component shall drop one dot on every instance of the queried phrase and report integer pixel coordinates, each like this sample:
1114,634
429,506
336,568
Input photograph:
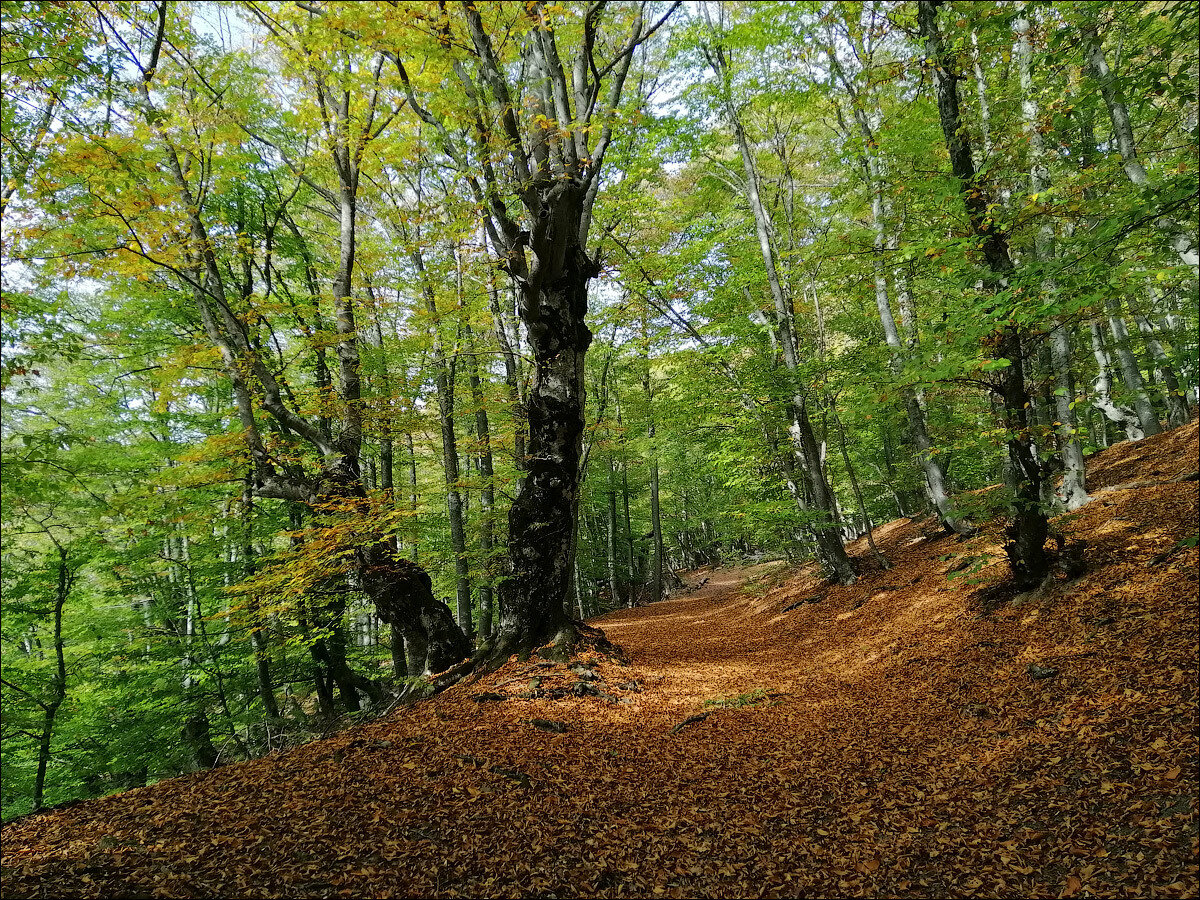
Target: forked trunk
1102,399
403,596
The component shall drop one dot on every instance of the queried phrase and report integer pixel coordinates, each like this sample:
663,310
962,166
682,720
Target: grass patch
763,584
748,699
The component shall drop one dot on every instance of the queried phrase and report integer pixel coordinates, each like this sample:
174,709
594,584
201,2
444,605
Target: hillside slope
896,737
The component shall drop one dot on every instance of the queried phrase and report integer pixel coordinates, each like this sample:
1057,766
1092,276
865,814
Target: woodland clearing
895,737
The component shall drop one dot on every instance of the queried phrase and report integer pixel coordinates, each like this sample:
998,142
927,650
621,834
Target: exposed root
574,638
580,637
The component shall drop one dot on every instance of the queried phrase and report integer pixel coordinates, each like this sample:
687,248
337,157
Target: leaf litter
898,737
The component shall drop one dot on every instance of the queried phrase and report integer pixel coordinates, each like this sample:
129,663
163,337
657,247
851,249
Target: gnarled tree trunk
541,521
403,595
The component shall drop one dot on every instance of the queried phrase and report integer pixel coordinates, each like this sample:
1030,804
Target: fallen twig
690,720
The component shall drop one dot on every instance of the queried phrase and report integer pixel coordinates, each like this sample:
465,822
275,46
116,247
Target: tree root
572,639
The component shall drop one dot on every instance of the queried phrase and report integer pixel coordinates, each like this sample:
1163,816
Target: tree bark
655,575
487,492
1180,235
257,387
611,534
403,594
541,521
398,650
1072,493
1027,527
858,496
512,371
383,391
64,579
1122,416
634,573
935,477
555,178
444,379
414,497
258,625
1131,371
1177,407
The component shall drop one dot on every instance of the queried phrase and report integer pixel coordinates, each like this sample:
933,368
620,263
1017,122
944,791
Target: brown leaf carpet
887,740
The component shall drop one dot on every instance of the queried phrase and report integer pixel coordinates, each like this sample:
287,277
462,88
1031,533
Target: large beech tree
533,161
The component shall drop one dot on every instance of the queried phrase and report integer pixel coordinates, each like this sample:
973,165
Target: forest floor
908,735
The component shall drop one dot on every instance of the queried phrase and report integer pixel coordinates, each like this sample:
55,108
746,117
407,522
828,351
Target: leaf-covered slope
893,738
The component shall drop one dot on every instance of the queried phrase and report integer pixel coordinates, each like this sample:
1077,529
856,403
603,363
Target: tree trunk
196,734
414,497
396,645
257,387
444,378
634,575
1027,527
830,549
553,173
330,653
541,521
403,594
578,589
1177,407
321,681
1122,416
1072,493
1131,372
655,575
258,625
613,584
512,372
858,496
487,493
64,578
383,390
1181,236
935,476
985,116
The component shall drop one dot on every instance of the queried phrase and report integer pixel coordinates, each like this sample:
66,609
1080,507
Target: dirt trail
885,739
703,645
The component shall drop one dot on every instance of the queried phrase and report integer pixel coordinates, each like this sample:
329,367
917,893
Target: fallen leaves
904,751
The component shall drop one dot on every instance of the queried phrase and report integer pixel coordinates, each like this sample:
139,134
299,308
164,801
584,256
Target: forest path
888,739
707,643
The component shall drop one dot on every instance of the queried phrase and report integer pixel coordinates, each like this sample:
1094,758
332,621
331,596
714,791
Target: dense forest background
293,312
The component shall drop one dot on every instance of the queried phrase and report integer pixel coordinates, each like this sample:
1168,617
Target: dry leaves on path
892,739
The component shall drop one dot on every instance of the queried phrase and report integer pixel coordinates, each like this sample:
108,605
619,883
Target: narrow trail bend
898,737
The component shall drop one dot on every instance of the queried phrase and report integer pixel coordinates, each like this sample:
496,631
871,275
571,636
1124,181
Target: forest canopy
348,344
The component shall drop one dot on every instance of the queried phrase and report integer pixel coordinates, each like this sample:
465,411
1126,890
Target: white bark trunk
1071,493
1180,236
1122,416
